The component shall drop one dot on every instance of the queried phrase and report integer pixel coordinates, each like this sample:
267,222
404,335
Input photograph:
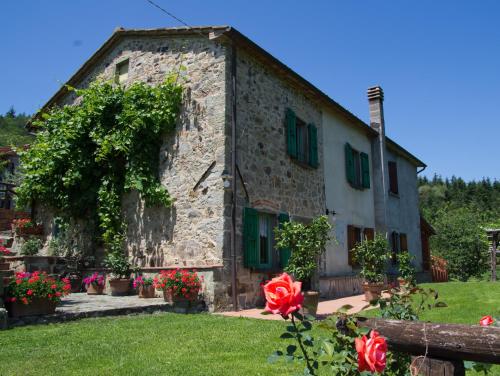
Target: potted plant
307,242
35,293
94,284
119,281
145,287
371,255
31,246
25,226
180,287
407,273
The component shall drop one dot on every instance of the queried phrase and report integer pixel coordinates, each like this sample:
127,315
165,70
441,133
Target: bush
119,265
31,247
461,241
372,256
406,268
307,242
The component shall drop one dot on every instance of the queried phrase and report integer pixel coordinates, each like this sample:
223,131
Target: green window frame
357,166
258,239
301,140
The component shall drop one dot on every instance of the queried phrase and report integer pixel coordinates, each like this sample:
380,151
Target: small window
357,168
121,72
258,239
393,178
395,246
302,140
356,235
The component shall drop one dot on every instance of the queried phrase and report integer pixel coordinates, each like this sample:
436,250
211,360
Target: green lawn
163,344
172,344
467,303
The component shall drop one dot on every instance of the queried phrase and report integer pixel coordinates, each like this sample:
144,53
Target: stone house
256,144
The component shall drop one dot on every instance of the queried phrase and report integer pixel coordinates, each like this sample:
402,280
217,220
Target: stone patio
80,305
325,308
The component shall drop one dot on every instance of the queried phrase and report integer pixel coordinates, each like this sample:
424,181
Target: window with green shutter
349,164
291,133
302,140
357,168
365,170
313,145
250,237
258,250
284,253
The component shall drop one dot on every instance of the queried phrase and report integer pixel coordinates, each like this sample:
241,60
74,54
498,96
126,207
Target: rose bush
371,352
23,287
283,295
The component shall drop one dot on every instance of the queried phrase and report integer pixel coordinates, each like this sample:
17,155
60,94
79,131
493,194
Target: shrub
406,268
307,242
372,256
31,247
119,265
26,286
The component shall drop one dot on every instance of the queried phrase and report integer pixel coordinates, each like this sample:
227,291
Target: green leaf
286,335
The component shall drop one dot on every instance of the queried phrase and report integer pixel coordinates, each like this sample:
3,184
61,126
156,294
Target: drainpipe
234,288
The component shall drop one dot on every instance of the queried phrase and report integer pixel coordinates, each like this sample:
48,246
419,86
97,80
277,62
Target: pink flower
29,292
371,352
486,321
283,295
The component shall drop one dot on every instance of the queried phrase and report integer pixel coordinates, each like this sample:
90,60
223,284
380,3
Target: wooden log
443,341
437,367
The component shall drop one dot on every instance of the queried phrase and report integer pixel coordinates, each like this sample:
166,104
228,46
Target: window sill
392,194
303,164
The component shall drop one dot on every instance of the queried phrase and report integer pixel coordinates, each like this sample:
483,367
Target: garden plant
178,284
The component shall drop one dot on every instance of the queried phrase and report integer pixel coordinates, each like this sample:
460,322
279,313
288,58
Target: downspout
234,288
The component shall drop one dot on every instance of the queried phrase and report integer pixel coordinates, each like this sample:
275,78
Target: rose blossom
283,295
371,352
486,321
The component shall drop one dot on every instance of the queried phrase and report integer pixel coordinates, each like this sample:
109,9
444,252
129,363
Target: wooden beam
443,341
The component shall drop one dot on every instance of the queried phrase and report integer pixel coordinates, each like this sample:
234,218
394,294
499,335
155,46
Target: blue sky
437,61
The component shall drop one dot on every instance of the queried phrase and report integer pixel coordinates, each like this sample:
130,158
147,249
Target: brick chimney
379,157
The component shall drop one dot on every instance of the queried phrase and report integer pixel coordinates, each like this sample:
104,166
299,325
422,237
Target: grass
466,303
172,344
163,344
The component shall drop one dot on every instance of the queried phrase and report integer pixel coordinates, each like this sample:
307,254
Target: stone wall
273,181
190,233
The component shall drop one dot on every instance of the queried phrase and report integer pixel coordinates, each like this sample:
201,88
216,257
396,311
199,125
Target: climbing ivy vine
85,157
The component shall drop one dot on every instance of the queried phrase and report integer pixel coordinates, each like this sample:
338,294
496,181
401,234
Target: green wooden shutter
365,170
291,133
313,145
284,253
349,164
250,238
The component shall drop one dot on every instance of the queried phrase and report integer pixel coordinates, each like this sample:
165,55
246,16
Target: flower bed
38,291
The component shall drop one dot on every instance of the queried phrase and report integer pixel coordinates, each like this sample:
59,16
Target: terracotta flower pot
310,304
167,296
94,289
34,230
373,290
119,287
76,284
38,306
147,292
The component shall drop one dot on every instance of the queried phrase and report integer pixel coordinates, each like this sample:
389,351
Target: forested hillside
12,130
459,211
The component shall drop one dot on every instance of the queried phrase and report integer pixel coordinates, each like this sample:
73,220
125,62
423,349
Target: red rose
371,352
283,295
486,321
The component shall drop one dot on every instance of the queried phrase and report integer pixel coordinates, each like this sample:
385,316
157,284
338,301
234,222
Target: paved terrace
80,305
